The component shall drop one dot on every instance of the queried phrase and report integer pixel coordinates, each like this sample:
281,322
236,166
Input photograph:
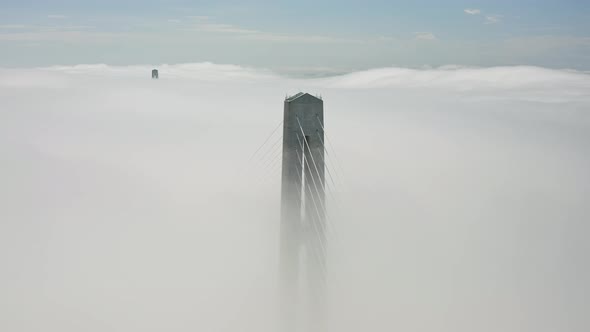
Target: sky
459,201
297,36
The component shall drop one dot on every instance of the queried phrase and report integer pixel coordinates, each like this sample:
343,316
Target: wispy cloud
14,26
472,11
224,28
275,37
489,19
424,36
205,24
200,17
200,24
57,16
36,33
535,45
493,19
36,36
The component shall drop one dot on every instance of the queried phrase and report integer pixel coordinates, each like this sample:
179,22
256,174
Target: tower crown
303,97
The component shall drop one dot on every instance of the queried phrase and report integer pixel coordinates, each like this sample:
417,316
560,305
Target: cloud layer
460,199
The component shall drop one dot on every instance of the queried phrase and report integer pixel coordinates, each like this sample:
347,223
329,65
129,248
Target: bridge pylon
303,215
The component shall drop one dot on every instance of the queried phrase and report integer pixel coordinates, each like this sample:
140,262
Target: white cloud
472,11
529,82
424,36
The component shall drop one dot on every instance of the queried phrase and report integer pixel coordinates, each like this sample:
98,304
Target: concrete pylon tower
303,227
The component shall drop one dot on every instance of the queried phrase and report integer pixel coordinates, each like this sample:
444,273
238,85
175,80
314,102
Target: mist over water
131,204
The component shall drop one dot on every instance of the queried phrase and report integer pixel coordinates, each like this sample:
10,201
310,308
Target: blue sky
297,35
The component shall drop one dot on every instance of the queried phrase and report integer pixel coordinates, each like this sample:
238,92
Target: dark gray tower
303,227
155,74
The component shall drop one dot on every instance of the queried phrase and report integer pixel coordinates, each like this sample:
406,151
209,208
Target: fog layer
459,202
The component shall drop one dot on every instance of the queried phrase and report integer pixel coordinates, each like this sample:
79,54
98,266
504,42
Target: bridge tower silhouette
303,215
